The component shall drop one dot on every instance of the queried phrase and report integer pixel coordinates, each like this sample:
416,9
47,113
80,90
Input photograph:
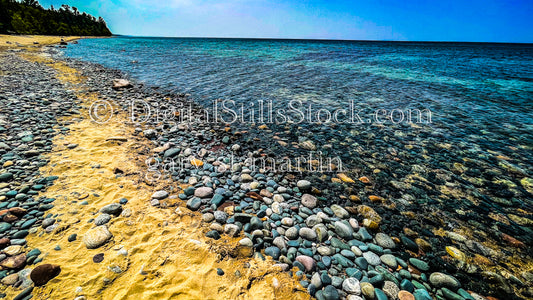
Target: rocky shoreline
28,122
338,250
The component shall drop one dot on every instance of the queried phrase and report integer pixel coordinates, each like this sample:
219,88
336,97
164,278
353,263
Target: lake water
466,166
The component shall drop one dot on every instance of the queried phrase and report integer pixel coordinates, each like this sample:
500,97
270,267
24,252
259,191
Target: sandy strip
29,41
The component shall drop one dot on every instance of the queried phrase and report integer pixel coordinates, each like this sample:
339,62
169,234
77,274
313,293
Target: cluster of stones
31,101
340,250
337,250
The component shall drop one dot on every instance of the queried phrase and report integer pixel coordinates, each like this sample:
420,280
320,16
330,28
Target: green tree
18,23
29,17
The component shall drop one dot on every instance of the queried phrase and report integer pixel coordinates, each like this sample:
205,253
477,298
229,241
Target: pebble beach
94,205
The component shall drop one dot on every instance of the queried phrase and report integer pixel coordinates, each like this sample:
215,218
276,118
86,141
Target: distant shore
35,41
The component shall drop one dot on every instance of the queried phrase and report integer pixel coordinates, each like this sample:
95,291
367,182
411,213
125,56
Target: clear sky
412,20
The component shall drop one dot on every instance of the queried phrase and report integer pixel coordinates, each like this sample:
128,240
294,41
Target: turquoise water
479,141
492,77
471,89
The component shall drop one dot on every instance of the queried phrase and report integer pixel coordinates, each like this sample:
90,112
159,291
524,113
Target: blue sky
422,20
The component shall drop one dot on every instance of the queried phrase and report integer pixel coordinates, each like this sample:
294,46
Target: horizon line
314,39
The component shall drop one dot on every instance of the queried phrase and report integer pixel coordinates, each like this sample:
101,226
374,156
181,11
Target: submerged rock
439,280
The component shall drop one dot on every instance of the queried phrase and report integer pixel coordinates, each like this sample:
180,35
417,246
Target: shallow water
469,170
468,87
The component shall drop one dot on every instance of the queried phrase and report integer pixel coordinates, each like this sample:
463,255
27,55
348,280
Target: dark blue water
480,86
472,90
473,163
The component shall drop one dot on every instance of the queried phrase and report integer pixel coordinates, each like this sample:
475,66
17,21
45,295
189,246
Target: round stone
351,286
367,289
203,192
316,281
340,212
13,250
307,262
44,273
279,242
102,219
440,280
372,258
6,177
287,222
291,233
98,258
361,262
208,217
112,209
246,242
231,230
303,185
391,290
405,295
389,260
325,250
344,230
96,237
384,240
307,233
273,252
14,262
48,222
194,203
160,195
10,279
220,216
419,264
309,201
330,293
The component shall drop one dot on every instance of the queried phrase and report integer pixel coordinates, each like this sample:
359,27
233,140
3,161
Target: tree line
29,17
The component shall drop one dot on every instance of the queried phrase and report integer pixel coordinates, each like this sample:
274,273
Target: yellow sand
169,256
27,41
